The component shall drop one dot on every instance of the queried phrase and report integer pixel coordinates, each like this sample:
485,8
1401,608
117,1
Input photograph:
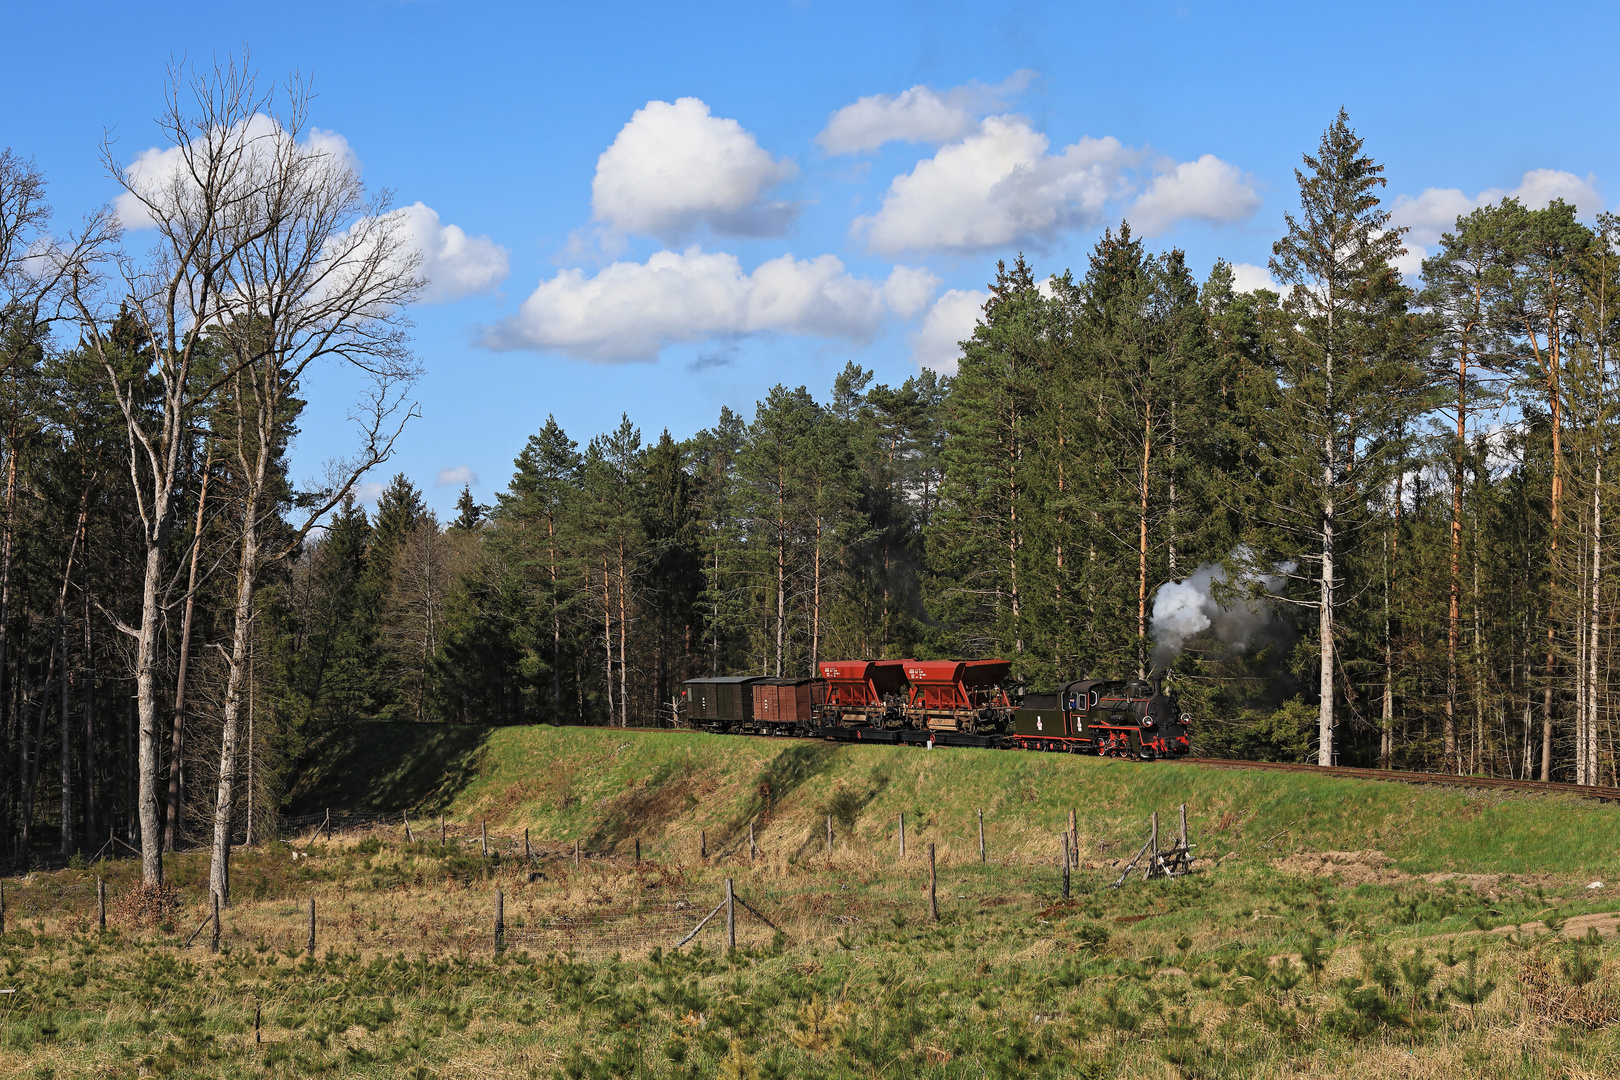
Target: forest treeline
1390,492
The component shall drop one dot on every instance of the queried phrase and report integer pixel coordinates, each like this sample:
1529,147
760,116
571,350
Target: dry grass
1189,978
1355,939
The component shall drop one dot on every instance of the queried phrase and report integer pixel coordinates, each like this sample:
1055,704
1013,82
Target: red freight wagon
958,695
862,689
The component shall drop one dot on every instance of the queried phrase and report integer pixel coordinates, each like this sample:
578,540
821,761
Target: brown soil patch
1348,867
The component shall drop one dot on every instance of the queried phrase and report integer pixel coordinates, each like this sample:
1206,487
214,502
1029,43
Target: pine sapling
1469,988
1417,975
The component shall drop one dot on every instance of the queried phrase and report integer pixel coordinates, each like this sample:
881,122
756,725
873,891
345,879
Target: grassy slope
607,788
1189,978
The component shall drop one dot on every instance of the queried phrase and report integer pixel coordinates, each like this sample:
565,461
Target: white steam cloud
1185,609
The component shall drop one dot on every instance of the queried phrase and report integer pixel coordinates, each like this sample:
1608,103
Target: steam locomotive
944,702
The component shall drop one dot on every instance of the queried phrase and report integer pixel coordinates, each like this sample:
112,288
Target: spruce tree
1345,376
977,541
532,516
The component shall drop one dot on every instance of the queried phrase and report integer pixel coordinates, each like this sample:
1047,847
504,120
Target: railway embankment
682,793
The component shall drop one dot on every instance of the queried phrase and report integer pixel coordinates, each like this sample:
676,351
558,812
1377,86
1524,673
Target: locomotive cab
1126,718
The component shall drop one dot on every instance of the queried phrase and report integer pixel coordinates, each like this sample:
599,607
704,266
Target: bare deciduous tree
269,247
322,271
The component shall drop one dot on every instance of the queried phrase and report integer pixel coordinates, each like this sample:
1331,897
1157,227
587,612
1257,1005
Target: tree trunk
219,862
1386,743
178,738
21,721
1592,648
31,779
556,619
781,577
624,625
91,815
607,636
67,741
1142,546
147,653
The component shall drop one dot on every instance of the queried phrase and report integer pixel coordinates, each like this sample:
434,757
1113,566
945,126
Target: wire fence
604,934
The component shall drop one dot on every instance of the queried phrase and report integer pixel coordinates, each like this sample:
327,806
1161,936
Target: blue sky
662,209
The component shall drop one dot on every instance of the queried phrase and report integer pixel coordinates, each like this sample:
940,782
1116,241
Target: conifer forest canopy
1362,521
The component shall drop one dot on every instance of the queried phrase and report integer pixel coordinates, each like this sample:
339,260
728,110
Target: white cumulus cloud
1000,186
1435,210
675,168
920,114
457,475
629,311
454,264
1247,277
1209,189
156,171
951,320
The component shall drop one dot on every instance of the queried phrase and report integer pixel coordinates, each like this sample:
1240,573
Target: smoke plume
1185,609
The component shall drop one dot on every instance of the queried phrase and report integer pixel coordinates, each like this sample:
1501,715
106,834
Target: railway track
1542,787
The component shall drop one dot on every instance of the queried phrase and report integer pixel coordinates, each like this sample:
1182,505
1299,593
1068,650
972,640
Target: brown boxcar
720,702
787,701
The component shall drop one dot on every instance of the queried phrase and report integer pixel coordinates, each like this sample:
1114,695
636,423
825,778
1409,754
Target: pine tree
469,515
1459,282
531,518
1544,251
1345,379
977,541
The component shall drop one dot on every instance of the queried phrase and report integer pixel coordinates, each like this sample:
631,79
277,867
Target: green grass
607,788
1442,963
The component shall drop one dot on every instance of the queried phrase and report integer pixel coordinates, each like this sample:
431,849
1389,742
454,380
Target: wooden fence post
500,921
1074,840
1153,848
902,836
483,838
933,898
101,902
410,837
310,947
1065,866
829,836
731,917
329,823
441,830
753,848
525,845
258,1008
213,940
981,836
703,844
638,851
1183,828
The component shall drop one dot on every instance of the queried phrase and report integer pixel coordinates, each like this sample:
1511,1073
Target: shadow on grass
388,766
672,792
